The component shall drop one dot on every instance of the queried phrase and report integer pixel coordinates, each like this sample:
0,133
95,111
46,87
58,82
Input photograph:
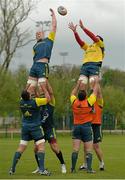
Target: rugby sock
16,157
74,159
41,157
60,157
89,161
36,157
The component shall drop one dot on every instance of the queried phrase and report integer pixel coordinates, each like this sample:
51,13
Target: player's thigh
50,135
76,132
36,133
42,70
97,133
25,134
93,69
76,136
84,71
32,72
86,132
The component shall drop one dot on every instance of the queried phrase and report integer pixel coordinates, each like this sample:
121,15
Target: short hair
81,95
25,95
100,37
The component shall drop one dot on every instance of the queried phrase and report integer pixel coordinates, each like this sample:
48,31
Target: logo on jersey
27,114
45,116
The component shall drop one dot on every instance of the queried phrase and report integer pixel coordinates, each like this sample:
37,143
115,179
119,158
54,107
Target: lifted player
93,57
42,53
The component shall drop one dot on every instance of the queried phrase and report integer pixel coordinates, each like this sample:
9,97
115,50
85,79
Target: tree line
63,79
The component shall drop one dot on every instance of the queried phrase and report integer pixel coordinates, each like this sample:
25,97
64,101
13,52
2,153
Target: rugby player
97,135
82,117
93,57
31,130
42,53
49,130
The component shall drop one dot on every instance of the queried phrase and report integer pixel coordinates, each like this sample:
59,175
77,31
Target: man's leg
41,156
36,158
42,85
55,148
31,86
74,156
97,139
99,155
92,80
17,155
83,82
88,148
84,165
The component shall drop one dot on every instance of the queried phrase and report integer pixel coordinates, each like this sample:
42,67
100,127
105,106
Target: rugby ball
62,10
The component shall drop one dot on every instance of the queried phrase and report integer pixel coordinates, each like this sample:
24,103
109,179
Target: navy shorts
39,70
90,69
49,134
97,133
83,132
31,133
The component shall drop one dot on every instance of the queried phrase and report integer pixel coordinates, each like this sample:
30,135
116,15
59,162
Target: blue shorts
31,133
90,69
97,133
39,70
82,132
49,134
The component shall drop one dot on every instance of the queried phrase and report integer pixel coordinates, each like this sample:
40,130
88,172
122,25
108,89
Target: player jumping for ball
42,53
93,57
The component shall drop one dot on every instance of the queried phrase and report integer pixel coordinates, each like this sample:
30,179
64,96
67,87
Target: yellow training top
93,53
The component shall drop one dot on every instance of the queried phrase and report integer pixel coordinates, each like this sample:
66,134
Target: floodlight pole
63,54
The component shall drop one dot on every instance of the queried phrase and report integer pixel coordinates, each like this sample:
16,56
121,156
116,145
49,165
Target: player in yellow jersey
93,56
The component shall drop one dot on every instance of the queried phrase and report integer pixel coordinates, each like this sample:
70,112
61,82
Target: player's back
30,112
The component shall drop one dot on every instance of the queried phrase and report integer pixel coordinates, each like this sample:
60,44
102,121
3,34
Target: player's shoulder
51,35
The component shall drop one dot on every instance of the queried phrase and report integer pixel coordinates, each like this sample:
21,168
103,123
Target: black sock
16,157
89,161
74,159
60,157
36,157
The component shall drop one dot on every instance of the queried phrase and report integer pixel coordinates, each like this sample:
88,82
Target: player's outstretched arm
75,89
72,27
77,37
89,33
54,21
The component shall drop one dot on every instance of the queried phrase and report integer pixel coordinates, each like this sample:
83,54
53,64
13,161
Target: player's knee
92,80
83,79
23,142
95,145
53,141
41,141
32,82
41,81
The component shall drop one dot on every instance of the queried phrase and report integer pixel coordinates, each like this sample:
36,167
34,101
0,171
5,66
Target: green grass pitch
114,155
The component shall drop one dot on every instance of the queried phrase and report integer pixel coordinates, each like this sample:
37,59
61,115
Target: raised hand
72,26
52,12
81,24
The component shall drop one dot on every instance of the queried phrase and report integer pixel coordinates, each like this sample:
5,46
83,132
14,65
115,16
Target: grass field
114,155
